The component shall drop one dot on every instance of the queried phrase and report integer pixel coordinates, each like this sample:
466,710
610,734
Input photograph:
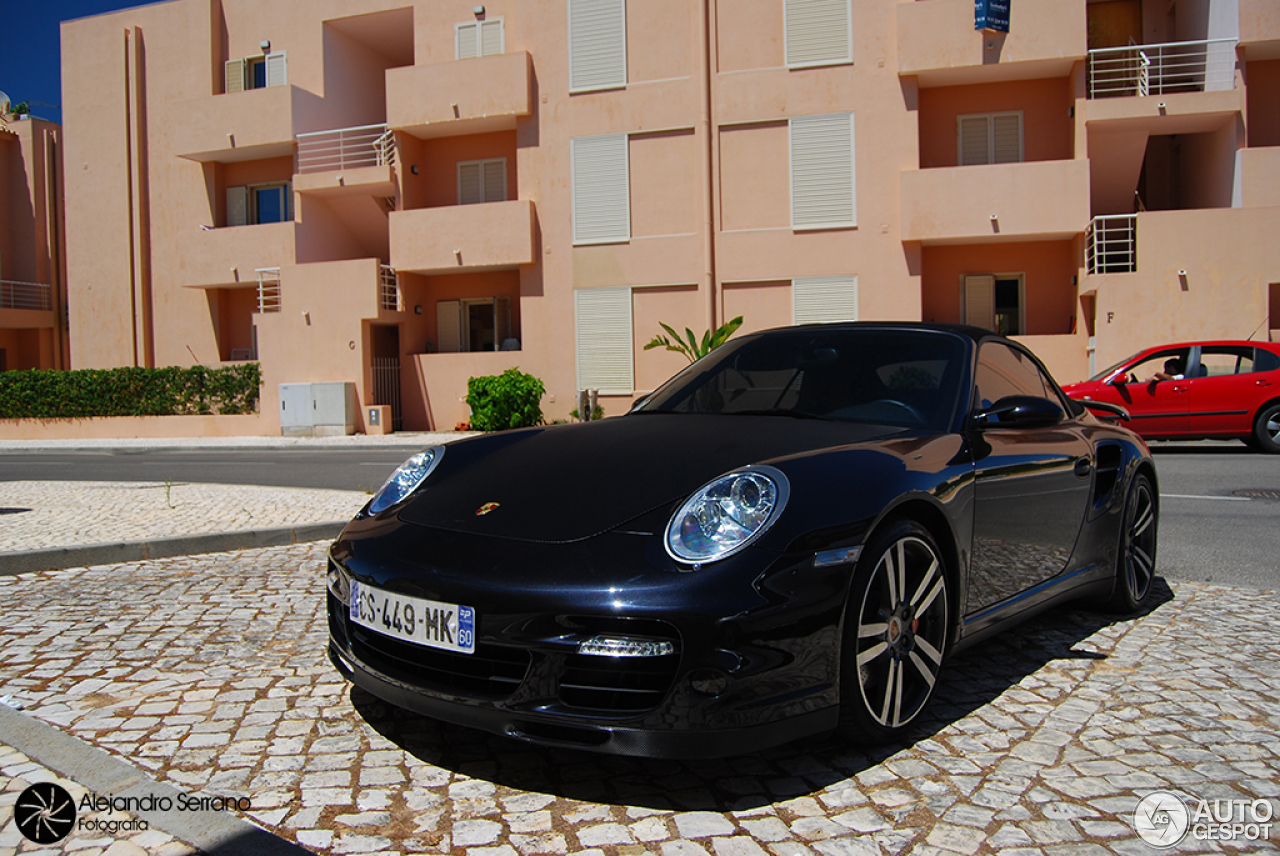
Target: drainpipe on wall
706,28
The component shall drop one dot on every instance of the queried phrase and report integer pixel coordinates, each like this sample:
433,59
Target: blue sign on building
991,15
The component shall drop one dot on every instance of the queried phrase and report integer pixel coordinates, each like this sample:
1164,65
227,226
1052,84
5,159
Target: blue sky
30,61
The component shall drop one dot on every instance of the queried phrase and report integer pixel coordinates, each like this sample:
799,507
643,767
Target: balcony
25,295
347,161
460,238
469,96
937,42
239,126
1162,69
1043,200
1111,244
229,257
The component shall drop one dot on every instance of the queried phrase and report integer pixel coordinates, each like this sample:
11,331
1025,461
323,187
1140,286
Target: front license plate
414,619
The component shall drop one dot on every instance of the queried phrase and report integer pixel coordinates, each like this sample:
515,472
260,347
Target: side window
1171,363
1003,371
1265,361
1225,360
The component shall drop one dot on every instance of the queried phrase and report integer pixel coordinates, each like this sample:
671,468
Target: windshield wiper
778,411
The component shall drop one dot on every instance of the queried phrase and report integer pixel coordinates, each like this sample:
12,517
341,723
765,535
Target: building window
605,351
823,192
479,38
989,138
597,44
601,189
259,203
482,181
819,32
995,303
474,324
256,72
824,299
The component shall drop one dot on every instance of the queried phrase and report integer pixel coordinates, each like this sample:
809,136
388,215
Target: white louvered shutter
822,172
277,69
597,44
824,299
602,325
974,134
601,189
818,32
980,301
494,178
238,206
233,74
1006,138
466,41
470,187
449,326
492,40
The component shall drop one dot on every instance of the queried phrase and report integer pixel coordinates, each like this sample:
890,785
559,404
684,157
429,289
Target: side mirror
1120,378
1019,411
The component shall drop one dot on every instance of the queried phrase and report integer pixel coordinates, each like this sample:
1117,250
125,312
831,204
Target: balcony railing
1162,69
346,148
25,295
389,289
1111,244
268,289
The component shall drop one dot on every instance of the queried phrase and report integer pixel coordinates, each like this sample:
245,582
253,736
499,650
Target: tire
1266,429
895,635
1136,558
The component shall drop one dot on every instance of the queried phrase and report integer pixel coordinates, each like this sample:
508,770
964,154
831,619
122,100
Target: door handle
1262,382
1083,465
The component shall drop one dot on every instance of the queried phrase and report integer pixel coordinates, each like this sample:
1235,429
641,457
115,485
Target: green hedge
509,400
172,391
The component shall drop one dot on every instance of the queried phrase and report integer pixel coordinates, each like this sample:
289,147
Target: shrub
169,391
509,400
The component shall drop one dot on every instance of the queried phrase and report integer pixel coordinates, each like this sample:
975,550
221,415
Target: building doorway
386,369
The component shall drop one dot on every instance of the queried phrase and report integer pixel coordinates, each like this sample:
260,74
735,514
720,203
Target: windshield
1110,369
905,378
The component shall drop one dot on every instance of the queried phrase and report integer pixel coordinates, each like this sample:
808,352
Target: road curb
58,558
97,771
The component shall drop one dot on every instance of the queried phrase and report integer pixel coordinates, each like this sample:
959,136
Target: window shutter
1006,135
470,188
824,299
495,180
492,39
818,32
980,301
602,324
466,41
238,206
822,176
597,44
277,69
233,74
975,140
601,189
448,326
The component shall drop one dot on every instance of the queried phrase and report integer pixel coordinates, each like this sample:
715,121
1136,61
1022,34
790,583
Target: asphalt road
1209,532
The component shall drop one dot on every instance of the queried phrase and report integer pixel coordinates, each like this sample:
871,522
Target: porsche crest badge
486,508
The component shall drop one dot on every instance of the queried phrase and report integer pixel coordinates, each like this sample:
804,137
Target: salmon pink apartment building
401,194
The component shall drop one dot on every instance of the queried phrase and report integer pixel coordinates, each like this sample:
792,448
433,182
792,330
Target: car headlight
726,514
406,478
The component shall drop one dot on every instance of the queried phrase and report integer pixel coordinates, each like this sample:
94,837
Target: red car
1196,390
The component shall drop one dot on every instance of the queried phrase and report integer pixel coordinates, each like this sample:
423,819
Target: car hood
570,482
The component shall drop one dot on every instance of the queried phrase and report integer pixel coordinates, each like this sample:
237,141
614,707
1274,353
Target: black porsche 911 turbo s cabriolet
789,537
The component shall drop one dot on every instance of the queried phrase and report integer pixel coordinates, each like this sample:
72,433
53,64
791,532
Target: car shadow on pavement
970,682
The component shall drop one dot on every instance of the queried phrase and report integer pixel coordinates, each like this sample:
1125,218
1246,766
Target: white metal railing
268,289
389,289
25,295
346,148
1111,244
1142,70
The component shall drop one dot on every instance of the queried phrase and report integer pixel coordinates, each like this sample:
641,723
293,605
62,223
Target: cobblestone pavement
34,515
210,672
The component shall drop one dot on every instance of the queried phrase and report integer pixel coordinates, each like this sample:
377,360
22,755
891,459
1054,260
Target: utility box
317,409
